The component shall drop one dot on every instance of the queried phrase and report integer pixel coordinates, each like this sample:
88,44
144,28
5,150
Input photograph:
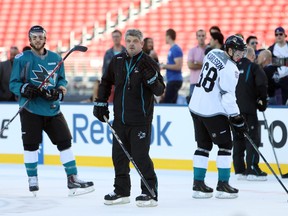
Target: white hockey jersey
214,93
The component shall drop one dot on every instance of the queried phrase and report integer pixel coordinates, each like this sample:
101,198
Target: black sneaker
73,183
114,199
256,174
201,190
145,200
225,191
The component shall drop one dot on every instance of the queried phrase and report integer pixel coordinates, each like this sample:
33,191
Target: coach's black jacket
134,95
252,85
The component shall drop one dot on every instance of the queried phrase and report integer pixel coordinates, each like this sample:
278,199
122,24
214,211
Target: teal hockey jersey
28,67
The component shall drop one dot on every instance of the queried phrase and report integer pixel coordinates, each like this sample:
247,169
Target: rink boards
172,145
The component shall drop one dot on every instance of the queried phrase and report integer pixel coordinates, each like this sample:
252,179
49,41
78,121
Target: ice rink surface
175,195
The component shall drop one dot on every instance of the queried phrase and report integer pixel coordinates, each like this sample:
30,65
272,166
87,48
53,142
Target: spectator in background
279,49
274,74
279,52
195,59
214,29
216,41
148,48
5,72
26,48
240,35
265,61
173,68
251,94
252,41
114,50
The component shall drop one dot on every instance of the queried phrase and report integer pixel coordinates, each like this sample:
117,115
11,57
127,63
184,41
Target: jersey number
209,81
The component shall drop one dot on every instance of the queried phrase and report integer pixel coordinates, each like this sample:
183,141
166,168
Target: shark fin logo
42,74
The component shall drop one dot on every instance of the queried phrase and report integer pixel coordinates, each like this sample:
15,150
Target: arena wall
172,145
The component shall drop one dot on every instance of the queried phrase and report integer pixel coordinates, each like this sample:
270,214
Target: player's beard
37,48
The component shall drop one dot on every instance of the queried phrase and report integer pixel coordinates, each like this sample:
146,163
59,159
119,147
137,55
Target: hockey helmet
37,29
235,42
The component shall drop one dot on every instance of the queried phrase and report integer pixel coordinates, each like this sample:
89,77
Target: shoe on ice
241,176
201,190
79,187
33,184
115,199
145,200
225,191
256,174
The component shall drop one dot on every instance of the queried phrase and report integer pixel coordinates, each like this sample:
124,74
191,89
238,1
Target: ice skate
115,199
33,185
145,200
225,191
256,174
79,187
201,190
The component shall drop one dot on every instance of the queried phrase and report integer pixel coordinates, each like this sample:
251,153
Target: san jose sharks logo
42,74
141,135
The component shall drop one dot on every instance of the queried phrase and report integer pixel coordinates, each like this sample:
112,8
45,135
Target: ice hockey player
42,113
213,108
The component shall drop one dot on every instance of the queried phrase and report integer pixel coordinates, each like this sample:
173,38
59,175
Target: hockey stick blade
264,159
80,48
284,175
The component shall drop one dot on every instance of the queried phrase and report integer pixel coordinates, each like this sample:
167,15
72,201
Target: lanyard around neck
130,67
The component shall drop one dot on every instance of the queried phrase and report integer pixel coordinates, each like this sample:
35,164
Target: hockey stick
257,150
273,148
75,48
130,158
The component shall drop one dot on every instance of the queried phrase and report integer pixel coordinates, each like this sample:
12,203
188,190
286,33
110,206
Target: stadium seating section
65,19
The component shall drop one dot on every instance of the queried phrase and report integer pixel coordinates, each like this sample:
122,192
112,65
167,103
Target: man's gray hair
135,33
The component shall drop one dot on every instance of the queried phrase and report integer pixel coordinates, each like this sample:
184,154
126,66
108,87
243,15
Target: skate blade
149,203
224,195
256,178
34,193
201,195
122,200
80,191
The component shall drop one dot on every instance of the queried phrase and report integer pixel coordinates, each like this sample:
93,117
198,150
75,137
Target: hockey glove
238,123
29,91
149,69
262,104
100,110
52,94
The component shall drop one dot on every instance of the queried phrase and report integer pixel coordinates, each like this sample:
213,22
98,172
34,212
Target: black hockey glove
149,70
261,104
238,123
100,110
29,91
52,94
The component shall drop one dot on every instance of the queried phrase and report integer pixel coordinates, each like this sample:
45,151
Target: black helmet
235,42
36,28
